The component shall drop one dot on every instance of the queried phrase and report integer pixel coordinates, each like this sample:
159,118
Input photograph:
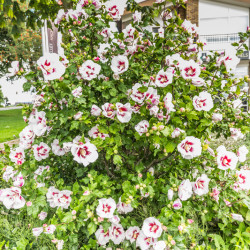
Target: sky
14,92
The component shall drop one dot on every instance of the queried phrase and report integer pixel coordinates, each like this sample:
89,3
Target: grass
11,124
16,232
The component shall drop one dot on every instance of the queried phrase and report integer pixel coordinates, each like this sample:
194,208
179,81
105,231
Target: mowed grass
11,124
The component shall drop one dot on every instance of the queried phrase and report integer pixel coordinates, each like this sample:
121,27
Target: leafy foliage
26,49
140,168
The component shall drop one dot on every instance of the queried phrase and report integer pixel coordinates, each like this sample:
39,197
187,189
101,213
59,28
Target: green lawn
11,124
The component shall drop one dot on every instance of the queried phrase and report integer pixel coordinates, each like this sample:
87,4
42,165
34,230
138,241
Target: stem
241,43
55,95
155,162
236,201
214,76
110,174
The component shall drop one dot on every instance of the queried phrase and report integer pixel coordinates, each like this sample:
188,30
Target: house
219,22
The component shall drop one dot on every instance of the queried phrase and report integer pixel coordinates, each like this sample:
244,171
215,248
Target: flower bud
173,242
29,204
154,128
161,127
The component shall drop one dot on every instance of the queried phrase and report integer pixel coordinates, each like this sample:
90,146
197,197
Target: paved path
9,108
10,143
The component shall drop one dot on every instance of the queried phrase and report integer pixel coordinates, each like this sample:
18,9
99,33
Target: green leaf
143,89
235,44
40,201
67,217
2,244
10,13
113,92
166,131
246,201
21,244
91,228
33,210
170,147
205,122
106,226
126,186
177,121
145,77
42,190
73,238
117,160
218,241
192,116
74,125
248,215
75,187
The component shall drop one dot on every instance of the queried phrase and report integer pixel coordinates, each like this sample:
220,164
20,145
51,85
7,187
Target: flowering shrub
116,150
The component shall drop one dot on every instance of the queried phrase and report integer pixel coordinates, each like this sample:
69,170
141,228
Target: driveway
9,108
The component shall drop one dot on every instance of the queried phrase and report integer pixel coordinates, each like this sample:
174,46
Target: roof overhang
243,3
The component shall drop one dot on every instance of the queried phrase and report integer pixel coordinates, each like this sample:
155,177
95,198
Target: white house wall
222,22
219,18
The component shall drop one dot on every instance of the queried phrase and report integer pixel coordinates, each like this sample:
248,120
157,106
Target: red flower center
106,208
242,179
200,184
113,10
201,102
187,146
225,161
135,234
190,71
41,150
117,232
48,68
163,78
147,240
18,155
153,227
83,152
121,65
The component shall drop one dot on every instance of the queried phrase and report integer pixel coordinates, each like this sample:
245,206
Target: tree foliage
30,13
1,96
26,49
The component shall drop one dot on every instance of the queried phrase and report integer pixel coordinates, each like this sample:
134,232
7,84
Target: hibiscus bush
116,150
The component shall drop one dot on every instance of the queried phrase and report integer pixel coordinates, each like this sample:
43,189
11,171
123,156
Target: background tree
30,13
26,49
2,99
